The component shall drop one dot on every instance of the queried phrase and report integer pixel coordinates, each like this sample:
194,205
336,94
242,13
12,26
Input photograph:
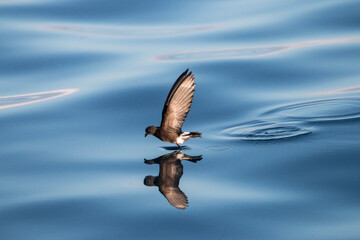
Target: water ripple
289,120
23,99
319,110
218,148
263,130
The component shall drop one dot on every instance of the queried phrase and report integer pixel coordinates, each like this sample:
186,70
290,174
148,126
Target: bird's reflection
171,170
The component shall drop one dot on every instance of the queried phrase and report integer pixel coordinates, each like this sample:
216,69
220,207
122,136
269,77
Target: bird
175,110
171,170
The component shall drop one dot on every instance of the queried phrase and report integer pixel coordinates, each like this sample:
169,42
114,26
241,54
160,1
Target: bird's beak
146,134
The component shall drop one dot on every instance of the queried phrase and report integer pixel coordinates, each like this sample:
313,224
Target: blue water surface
277,101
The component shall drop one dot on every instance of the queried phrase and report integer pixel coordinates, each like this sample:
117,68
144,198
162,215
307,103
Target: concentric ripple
288,120
262,130
23,99
319,110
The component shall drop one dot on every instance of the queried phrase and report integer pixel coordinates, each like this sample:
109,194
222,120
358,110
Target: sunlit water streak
340,91
246,52
24,99
131,32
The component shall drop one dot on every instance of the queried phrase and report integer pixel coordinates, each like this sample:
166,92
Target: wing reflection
171,170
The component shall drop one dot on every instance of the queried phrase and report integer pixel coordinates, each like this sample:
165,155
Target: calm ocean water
277,100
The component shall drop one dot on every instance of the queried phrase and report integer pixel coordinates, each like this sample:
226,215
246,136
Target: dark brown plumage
176,108
171,170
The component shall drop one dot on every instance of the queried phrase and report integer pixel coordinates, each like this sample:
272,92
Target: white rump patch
182,137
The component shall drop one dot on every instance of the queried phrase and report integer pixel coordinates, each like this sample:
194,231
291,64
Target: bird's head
150,130
149,181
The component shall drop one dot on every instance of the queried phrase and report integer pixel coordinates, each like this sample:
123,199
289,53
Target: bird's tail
194,159
195,134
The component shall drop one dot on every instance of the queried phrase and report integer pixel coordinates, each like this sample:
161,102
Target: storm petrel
176,108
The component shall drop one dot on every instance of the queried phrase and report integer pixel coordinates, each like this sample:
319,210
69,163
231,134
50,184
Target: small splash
23,99
319,110
218,148
261,131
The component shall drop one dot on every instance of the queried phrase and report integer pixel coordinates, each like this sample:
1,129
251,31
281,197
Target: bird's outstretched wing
176,198
178,102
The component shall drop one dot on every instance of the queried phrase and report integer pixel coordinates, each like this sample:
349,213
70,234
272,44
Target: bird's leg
179,146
